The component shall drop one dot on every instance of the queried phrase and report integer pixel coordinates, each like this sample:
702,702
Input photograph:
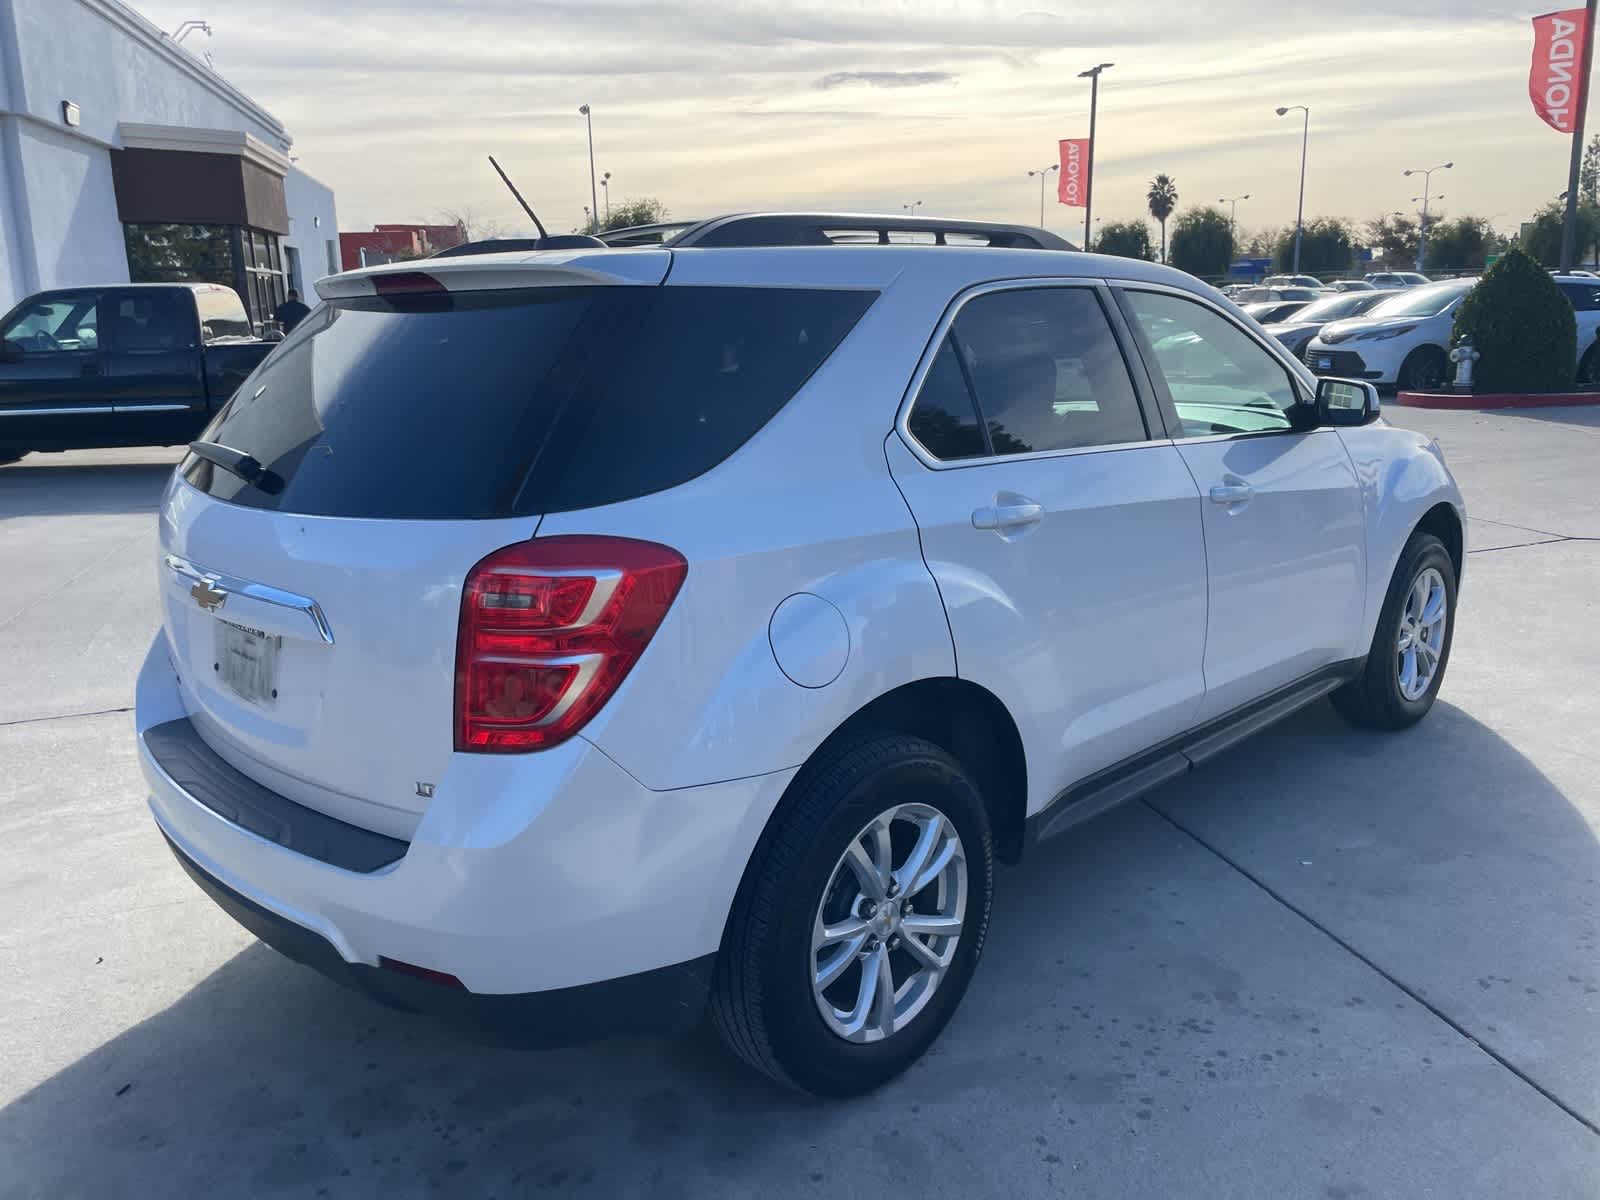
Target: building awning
175,175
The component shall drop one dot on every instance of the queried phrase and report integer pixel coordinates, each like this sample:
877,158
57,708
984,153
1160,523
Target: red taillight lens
549,629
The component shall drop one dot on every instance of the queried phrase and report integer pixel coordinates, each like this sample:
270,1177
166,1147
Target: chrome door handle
1005,517
1232,493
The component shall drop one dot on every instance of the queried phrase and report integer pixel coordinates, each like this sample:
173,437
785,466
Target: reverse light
549,630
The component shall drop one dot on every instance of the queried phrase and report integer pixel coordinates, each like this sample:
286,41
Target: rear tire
1391,692
1423,370
767,998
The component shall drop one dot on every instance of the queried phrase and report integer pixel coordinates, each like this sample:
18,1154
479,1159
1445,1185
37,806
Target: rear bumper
665,1000
537,873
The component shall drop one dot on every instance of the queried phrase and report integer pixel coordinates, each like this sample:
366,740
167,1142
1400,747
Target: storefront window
247,260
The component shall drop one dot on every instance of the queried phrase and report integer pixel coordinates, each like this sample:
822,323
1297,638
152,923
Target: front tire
860,920
1423,370
1411,648
1589,367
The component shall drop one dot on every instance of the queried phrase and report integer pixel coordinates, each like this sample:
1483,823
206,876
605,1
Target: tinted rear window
495,404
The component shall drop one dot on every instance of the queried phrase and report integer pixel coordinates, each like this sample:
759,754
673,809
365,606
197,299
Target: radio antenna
507,180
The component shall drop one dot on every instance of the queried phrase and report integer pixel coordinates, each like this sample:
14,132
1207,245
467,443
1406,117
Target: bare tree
477,226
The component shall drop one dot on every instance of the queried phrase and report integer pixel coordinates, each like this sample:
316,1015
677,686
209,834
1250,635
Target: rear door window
490,404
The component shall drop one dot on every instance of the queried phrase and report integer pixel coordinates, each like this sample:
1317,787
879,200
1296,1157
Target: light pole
1427,184
594,194
1300,212
1233,212
1093,76
1043,173
605,182
913,206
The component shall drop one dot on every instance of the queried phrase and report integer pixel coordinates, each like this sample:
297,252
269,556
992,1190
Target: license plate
247,662
1324,364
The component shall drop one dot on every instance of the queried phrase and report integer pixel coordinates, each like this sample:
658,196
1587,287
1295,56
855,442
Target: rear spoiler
547,268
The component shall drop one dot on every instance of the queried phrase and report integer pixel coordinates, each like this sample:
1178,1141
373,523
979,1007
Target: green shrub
1202,242
1523,327
1127,239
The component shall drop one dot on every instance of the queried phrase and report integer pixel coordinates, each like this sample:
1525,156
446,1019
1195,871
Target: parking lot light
1300,212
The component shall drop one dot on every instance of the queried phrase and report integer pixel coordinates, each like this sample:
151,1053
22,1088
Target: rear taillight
549,629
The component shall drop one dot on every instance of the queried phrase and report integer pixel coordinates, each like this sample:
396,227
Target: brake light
549,630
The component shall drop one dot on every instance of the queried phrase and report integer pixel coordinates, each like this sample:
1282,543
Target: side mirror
1347,402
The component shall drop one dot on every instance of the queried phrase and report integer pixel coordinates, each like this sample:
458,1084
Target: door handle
1003,518
1232,493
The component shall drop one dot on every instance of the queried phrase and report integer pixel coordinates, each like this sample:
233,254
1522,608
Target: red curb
1498,400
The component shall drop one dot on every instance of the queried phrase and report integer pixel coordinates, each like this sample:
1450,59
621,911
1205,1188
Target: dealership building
124,158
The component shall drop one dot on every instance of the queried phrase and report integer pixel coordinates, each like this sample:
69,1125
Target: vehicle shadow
84,483
1129,972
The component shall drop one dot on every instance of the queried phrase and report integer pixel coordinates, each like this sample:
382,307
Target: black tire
762,1000
1373,699
1423,370
1589,367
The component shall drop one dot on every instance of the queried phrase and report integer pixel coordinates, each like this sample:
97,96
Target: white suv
564,640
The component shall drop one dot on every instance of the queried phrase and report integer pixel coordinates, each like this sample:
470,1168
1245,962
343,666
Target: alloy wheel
1419,645
890,919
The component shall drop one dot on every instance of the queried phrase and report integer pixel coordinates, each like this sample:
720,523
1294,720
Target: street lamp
1300,212
1093,76
1427,184
1233,212
594,194
605,182
912,207
1042,173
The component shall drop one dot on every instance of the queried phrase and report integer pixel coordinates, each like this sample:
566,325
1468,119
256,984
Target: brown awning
188,187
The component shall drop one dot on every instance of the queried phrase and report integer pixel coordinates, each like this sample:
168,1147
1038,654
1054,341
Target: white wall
313,227
58,220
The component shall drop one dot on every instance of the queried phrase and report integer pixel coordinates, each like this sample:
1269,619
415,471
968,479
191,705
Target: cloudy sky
720,105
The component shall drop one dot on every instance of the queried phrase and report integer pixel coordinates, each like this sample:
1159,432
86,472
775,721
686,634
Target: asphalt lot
1332,964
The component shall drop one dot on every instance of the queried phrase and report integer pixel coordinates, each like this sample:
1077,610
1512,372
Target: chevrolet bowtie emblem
208,596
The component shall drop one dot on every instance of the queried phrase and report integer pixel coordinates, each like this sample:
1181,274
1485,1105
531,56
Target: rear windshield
492,404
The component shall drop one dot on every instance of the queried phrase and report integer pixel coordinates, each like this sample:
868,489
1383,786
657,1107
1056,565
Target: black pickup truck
125,365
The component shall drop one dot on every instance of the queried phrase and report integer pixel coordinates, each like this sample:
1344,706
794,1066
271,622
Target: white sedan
1405,341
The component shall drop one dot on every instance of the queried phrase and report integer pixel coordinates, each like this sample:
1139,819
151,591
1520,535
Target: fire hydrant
1464,356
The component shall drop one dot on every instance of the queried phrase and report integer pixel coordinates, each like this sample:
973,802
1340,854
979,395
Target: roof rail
832,229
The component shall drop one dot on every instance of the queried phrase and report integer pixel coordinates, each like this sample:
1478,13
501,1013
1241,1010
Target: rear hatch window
458,405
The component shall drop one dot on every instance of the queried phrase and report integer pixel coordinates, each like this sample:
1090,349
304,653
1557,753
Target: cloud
883,79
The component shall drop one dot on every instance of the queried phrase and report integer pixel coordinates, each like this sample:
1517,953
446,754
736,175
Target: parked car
1351,285
1296,330
1405,340
1262,295
1293,281
1268,311
596,635
1392,280
122,365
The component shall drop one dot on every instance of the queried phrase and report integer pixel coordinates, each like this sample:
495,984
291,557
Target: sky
727,106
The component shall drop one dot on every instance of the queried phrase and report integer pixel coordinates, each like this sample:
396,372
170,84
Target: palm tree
1163,198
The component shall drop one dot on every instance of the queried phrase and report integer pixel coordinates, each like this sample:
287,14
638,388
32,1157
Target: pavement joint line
112,553
1350,949
1550,533
99,712
1555,541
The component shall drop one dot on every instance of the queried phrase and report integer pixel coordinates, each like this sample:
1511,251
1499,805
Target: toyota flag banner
1555,85
1073,188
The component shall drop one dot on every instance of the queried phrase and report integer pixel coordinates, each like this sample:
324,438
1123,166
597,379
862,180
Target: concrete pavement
1331,964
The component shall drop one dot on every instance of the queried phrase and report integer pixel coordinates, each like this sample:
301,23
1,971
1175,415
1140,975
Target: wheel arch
1444,523
969,722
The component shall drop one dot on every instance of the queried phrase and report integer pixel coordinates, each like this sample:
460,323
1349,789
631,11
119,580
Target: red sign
1074,172
1555,85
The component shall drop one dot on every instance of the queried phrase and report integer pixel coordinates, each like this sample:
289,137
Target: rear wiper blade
236,462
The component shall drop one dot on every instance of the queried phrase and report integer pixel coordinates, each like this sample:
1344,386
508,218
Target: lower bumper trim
665,1000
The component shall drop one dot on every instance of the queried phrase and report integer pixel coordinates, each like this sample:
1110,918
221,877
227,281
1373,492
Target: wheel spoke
885,997
1418,600
909,876
931,925
921,951
1430,655
828,974
865,871
934,869
866,994
882,851
1408,671
848,928
1433,610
